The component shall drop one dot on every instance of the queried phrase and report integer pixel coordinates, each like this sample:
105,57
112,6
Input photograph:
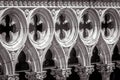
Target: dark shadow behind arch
95,59
22,66
73,57
116,54
48,65
115,59
49,62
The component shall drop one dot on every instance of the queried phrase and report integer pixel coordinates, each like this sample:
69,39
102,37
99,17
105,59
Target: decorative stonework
41,75
110,25
65,27
40,32
59,3
61,74
89,26
84,71
35,75
105,69
13,35
13,77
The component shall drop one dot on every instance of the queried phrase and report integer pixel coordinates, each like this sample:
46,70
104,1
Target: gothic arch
32,53
103,50
95,20
70,15
7,59
21,28
58,53
81,52
115,34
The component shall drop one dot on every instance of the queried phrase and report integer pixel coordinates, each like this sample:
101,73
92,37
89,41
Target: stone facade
32,28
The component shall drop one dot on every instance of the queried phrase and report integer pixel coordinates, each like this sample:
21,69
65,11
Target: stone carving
41,75
84,71
60,3
61,74
13,77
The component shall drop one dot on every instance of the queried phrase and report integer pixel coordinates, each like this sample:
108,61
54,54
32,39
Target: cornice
59,3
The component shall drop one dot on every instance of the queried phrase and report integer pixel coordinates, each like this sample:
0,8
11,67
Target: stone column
84,71
61,74
105,70
12,77
35,75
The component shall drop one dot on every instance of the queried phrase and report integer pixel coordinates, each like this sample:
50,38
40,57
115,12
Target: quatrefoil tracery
108,25
38,27
86,26
9,30
63,26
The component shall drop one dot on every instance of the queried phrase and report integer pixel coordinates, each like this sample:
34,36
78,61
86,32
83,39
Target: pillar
84,71
105,70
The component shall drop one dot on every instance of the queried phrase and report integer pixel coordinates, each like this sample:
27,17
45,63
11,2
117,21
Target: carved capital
61,74
105,69
84,71
41,75
13,77
31,75
35,75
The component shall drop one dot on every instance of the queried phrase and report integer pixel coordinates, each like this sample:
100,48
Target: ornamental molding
60,3
19,37
114,17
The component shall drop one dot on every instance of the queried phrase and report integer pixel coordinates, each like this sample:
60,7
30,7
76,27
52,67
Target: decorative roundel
89,26
66,27
40,28
110,25
13,28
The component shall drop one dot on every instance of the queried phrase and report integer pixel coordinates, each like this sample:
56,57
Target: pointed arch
58,54
81,52
103,50
7,61
32,54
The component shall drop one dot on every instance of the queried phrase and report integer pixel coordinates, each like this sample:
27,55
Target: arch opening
49,64
96,61
23,66
116,60
73,63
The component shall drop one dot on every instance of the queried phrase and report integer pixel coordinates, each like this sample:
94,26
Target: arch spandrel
17,28
113,29
66,27
89,26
